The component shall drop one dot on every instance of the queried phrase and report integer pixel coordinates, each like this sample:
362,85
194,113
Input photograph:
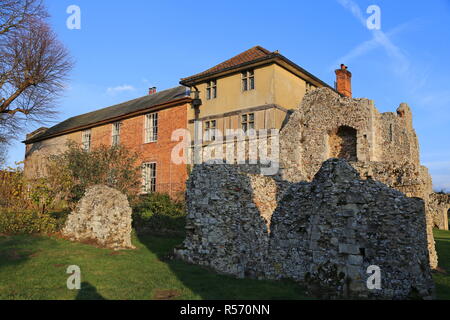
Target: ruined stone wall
396,138
311,135
440,205
323,234
229,212
305,140
328,232
102,216
387,148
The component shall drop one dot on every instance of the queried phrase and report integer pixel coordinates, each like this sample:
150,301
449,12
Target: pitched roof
250,56
246,56
112,112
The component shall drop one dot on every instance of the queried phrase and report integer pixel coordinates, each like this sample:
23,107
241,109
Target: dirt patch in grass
116,253
59,265
166,294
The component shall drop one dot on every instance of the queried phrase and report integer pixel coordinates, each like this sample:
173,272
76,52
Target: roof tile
118,110
246,56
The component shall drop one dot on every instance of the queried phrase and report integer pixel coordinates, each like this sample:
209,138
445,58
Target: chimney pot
152,90
344,81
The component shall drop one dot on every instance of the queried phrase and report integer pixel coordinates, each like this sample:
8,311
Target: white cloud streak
401,66
379,39
120,89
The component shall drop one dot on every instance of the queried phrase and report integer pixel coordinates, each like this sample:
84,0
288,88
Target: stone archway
342,143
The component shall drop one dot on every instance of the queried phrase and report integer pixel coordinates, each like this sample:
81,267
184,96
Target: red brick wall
170,178
344,81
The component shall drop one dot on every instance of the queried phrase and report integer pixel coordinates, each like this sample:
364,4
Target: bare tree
34,65
16,14
3,153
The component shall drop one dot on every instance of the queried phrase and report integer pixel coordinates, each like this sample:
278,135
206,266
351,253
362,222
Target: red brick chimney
152,90
344,81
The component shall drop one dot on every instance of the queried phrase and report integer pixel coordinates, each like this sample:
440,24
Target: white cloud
413,78
119,89
354,8
379,39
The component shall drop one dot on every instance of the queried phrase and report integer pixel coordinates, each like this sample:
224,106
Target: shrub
12,191
74,170
41,194
158,214
27,222
18,193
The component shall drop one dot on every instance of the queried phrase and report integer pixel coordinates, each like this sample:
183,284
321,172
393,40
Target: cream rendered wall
230,96
289,88
273,85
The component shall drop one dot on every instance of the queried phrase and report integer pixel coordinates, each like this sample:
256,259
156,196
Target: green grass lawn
34,267
442,279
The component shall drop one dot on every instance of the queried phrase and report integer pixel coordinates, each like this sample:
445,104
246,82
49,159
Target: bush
158,214
41,194
12,191
27,222
75,170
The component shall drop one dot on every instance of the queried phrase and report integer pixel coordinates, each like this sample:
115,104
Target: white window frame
151,127
210,130
86,139
248,121
211,89
248,80
149,176
116,133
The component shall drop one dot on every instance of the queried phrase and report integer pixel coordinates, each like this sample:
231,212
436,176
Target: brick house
256,89
143,125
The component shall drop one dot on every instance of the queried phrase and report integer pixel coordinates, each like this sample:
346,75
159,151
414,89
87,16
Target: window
210,130
391,133
248,121
151,127
211,90
86,140
116,133
248,80
149,177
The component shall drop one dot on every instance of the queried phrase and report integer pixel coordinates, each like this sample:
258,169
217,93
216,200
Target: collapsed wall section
381,146
439,205
327,234
324,234
230,209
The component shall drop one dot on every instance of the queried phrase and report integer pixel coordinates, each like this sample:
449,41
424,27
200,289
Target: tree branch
13,112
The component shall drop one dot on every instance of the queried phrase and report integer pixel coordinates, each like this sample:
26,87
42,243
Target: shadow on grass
442,277
88,292
207,284
17,249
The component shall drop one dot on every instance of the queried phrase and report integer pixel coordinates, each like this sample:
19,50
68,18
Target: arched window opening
342,142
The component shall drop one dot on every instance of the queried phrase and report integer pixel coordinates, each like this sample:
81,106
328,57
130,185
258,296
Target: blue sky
125,47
